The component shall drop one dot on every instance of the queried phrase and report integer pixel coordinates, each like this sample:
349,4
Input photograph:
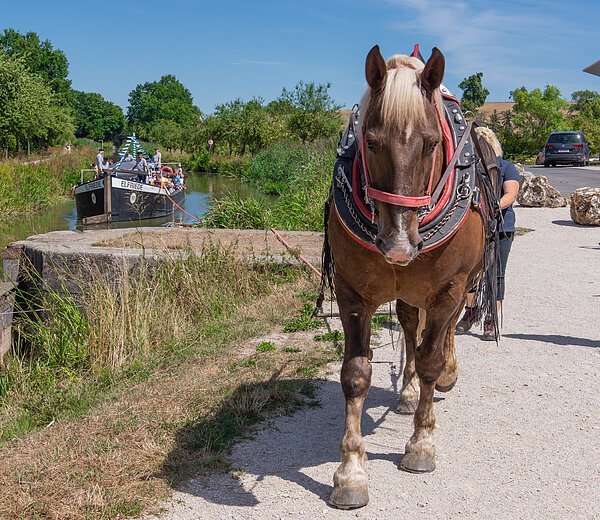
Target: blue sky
224,49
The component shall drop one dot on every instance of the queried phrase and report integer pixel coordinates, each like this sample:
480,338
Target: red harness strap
392,198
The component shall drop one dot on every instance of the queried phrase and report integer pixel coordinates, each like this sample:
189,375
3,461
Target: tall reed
67,356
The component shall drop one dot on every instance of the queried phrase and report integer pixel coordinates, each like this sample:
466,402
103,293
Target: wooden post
107,195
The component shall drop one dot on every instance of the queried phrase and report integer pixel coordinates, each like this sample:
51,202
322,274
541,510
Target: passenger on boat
179,172
99,164
157,158
142,167
177,181
127,157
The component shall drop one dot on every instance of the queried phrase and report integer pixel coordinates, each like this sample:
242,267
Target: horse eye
372,145
431,148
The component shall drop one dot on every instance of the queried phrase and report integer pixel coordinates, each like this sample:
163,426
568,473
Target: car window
564,138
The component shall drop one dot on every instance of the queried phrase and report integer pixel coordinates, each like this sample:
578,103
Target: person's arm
511,190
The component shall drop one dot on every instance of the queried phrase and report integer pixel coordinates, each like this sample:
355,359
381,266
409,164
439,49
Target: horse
400,137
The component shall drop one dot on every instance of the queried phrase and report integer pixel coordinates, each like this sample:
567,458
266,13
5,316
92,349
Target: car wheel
546,164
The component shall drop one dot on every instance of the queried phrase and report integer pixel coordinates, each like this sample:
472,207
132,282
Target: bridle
393,198
428,199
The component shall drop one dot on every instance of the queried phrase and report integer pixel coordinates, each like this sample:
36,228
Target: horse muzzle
402,253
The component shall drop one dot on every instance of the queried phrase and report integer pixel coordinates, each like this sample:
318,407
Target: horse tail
327,263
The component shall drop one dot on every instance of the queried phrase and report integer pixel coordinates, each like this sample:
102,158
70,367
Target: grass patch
265,346
378,321
155,404
520,231
69,356
299,174
337,340
334,335
36,185
302,322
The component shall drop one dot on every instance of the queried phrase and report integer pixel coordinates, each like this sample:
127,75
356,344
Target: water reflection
202,190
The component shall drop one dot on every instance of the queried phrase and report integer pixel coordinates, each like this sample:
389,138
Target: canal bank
57,260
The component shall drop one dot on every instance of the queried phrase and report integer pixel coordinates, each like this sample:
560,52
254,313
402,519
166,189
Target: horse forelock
401,103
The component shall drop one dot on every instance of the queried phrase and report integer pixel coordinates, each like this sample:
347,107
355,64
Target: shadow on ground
556,339
567,223
305,440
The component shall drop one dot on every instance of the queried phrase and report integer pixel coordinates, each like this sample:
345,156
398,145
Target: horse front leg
430,360
449,375
408,316
350,485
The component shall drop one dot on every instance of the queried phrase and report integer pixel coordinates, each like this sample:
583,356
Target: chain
353,213
462,192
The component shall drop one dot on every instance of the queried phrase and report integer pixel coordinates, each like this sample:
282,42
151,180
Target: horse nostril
380,244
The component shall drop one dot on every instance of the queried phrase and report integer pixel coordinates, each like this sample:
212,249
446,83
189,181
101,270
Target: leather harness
441,213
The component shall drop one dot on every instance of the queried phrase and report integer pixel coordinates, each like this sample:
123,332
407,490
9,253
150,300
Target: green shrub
273,169
232,211
232,166
198,162
37,185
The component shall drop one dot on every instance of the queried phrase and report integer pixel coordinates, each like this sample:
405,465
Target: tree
31,113
163,100
474,93
535,115
582,98
40,58
585,116
95,117
312,111
168,134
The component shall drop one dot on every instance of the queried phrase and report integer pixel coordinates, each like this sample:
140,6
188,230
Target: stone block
585,206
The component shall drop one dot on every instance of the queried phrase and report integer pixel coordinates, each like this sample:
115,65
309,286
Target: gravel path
518,437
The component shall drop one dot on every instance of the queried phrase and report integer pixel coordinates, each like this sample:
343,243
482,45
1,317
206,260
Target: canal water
201,191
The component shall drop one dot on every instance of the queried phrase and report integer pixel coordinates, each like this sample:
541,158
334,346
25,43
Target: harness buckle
476,200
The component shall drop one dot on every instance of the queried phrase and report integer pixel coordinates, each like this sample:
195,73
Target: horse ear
375,68
433,73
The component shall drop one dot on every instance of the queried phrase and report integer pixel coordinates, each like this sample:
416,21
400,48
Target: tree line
523,130
40,109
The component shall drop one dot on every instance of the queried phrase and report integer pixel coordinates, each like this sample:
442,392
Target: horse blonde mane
402,103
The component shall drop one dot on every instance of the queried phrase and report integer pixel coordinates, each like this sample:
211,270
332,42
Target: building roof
594,68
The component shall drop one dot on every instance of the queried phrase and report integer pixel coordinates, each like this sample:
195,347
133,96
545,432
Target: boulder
585,206
536,192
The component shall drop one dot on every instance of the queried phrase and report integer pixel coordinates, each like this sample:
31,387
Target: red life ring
167,168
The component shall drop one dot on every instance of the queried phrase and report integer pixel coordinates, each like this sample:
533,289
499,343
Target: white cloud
511,43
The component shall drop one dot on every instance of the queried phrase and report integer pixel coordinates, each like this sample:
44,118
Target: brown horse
400,135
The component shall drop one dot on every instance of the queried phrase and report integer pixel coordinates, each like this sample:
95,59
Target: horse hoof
415,463
349,497
445,388
406,407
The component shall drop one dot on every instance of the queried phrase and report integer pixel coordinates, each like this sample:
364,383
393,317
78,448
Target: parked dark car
567,148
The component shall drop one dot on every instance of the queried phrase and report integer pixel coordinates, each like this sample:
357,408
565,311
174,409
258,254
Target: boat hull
130,200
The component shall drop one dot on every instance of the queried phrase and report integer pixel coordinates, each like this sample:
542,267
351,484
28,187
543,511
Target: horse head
400,138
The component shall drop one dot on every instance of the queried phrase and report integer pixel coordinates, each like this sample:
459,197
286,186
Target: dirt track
518,437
